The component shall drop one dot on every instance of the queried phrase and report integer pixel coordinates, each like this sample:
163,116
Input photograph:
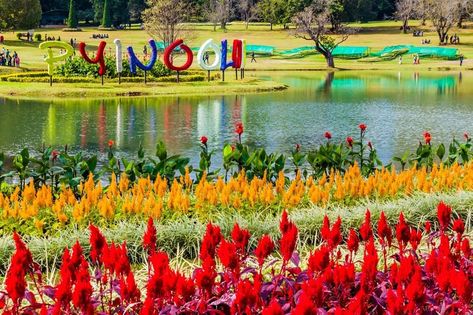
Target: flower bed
400,270
38,211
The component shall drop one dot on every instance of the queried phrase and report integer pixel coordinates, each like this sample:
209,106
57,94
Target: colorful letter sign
168,56
51,59
209,45
99,57
134,62
118,55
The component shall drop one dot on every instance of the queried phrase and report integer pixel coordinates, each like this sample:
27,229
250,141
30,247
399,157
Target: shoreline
94,90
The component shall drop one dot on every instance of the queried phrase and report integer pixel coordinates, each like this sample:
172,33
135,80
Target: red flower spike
149,238
403,234
350,142
325,230
443,214
459,226
415,238
264,248
204,140
111,143
239,129
328,135
362,127
240,238
366,232
273,309
288,242
335,234
227,252
319,260
384,231
97,243
353,241
427,137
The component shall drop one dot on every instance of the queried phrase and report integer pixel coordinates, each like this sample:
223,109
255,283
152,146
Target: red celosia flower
264,249
443,214
384,231
205,277
415,238
344,275
350,142
240,237
97,243
428,227
466,136
184,287
63,293
149,238
369,267
370,145
328,135
246,298
160,262
362,127
204,140
288,242
298,147
395,302
335,233
82,294
459,226
304,306
273,309
122,263
111,143
365,230
284,224
353,241
319,259
128,290
415,292
210,241
314,289
462,285
402,230
110,257
239,128
427,137
227,252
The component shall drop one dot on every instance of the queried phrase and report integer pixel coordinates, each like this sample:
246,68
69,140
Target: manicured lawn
375,35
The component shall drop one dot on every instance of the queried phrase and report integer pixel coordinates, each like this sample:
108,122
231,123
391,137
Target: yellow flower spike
39,224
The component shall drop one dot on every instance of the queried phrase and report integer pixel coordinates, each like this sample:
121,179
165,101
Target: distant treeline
271,11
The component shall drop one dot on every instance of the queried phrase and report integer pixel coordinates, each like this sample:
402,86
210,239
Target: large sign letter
118,55
134,62
51,59
99,58
168,55
202,58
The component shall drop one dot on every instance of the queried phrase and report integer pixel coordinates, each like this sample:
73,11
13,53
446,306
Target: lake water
397,107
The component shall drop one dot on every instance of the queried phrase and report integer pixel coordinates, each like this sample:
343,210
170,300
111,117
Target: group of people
454,40
9,59
425,41
51,38
418,33
99,36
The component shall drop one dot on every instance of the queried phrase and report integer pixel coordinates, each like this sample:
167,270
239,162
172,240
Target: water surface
397,107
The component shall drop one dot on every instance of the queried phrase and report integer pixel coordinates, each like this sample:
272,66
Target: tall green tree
107,14
72,21
272,11
20,14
